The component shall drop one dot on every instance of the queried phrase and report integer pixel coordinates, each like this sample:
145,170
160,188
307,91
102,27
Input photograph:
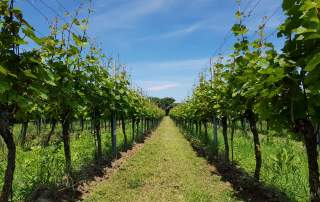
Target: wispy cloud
160,87
176,33
157,85
170,65
123,14
167,78
203,24
165,88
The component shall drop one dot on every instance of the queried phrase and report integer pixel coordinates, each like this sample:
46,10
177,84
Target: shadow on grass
88,173
245,186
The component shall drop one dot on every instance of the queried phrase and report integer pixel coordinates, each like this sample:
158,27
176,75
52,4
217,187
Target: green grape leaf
28,73
4,86
313,62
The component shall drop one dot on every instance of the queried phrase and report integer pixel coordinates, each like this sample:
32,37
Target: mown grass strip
165,169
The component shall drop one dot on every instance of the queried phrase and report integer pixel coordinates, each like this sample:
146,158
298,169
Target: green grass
45,166
284,160
165,169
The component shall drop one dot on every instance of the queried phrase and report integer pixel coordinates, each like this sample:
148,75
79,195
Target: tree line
257,83
65,78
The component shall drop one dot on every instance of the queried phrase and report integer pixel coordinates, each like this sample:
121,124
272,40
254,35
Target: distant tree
166,103
156,100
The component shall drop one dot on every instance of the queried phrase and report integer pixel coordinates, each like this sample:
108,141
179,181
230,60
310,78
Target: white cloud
170,65
150,75
122,14
176,33
160,87
200,25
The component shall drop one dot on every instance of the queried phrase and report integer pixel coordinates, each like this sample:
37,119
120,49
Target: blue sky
165,44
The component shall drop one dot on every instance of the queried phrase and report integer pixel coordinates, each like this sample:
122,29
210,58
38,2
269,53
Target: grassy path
165,169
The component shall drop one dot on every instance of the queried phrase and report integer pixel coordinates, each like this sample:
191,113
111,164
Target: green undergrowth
284,160
44,166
